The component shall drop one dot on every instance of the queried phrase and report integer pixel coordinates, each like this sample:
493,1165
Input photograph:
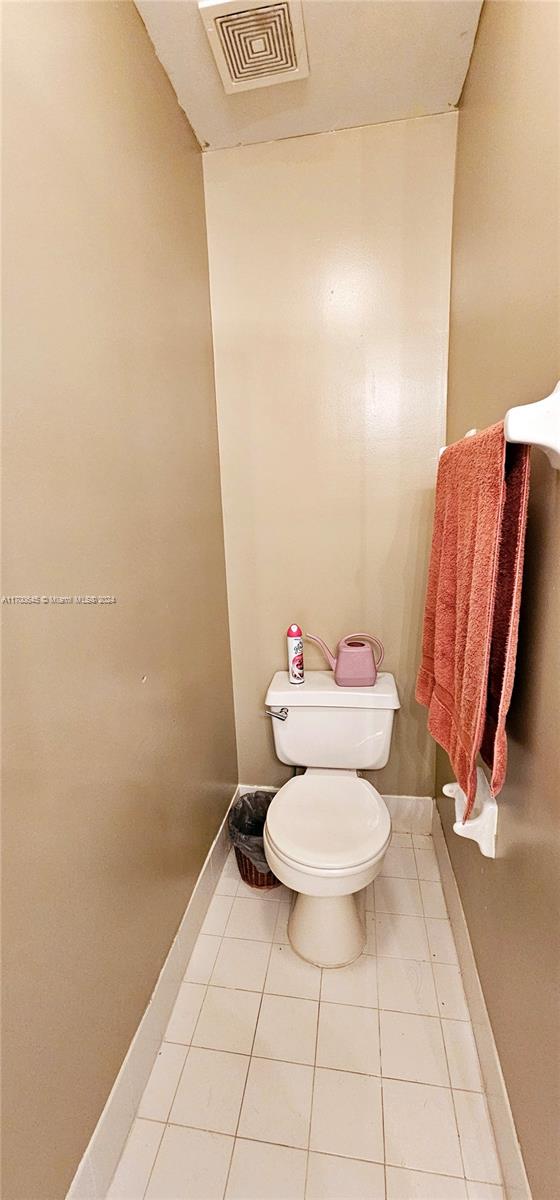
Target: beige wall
118,720
329,264
504,350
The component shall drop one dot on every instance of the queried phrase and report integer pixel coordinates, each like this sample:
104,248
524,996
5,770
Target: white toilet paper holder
482,826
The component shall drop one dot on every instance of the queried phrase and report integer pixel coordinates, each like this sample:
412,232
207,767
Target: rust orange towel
472,602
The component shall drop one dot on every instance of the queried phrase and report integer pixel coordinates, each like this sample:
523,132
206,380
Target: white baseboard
102,1154
254,787
410,814
509,1151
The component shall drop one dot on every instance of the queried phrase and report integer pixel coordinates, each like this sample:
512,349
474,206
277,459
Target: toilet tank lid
319,690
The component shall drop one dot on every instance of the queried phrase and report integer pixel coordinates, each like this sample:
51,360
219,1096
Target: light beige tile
228,882
289,975
241,964
371,936
450,993
216,918
227,1020
202,959
416,1185
398,896
210,1091
412,1048
253,919
462,1057
427,865
433,899
185,1013
277,1103
287,1029
422,841
401,937
369,898
261,1171
477,1139
137,1159
420,1128
355,984
191,1165
331,1178
399,862
484,1191
348,1038
440,938
281,927
162,1084
406,986
346,1118
401,839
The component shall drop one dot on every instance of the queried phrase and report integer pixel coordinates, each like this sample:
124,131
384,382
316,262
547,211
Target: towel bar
483,824
535,424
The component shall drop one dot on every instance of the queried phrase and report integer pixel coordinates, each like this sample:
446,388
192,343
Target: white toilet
327,830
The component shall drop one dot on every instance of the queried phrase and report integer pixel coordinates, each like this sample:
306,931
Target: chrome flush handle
281,714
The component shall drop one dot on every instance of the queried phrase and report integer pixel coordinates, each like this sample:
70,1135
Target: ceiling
369,61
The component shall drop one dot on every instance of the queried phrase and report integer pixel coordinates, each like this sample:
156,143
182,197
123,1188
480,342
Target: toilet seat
330,823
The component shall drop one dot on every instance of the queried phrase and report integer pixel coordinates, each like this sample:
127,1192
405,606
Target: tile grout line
271,944
442,1036
188,1047
189,1044
134,1119
313,1081
250,1059
327,1154
431,960
292,1062
381,1077
343,1003
440,1018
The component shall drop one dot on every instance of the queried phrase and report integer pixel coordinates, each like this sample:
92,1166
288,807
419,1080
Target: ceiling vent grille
255,45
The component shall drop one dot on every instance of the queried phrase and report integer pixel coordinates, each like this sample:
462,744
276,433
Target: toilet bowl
325,837
327,830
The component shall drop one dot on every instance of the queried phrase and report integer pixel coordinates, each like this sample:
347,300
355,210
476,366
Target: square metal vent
255,44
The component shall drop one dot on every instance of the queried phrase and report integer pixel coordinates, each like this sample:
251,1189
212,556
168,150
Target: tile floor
279,1081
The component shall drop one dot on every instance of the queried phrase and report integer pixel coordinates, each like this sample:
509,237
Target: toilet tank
325,725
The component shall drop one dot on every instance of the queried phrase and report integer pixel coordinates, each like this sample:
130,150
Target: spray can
294,638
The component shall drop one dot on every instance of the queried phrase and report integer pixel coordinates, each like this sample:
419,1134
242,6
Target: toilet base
328,931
